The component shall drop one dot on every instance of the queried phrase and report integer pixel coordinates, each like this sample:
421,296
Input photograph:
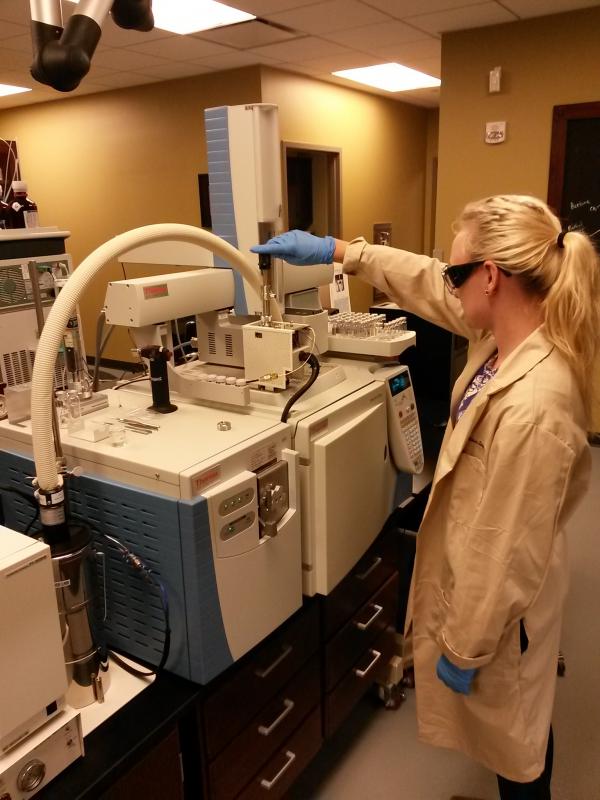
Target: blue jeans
539,789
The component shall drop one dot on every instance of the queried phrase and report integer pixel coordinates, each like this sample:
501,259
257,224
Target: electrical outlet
382,233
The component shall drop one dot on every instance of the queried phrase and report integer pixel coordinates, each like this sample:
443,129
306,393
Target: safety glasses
455,275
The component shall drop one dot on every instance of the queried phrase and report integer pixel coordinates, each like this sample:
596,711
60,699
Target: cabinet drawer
156,776
366,625
276,777
375,567
268,668
370,667
247,753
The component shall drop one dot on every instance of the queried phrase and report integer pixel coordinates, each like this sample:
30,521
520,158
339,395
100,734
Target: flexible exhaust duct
43,371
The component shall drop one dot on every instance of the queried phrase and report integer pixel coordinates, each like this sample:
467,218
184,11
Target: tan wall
545,62
431,161
383,145
102,164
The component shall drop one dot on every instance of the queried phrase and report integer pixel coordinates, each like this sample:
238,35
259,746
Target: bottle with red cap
22,211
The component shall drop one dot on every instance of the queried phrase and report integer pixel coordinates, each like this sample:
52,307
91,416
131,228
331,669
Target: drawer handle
360,673
362,626
291,757
262,673
288,706
374,565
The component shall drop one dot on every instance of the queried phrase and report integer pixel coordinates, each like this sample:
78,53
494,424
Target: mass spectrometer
210,503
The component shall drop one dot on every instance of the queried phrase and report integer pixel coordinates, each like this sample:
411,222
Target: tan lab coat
491,550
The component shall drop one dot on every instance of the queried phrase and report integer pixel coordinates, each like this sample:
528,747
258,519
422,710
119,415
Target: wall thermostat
495,132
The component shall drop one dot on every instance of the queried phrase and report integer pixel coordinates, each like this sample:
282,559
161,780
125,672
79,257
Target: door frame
334,176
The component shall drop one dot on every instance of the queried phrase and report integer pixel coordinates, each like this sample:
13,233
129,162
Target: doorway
311,179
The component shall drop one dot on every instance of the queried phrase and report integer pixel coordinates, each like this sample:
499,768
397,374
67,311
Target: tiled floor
376,755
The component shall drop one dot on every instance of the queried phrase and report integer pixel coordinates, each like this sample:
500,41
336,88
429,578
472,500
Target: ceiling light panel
390,77
182,16
6,89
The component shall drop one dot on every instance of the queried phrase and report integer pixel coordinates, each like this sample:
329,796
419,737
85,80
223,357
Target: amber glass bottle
22,211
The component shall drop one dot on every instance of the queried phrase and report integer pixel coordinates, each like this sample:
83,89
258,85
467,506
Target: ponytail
523,236
572,309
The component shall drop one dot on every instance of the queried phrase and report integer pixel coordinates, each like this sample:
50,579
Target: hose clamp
51,497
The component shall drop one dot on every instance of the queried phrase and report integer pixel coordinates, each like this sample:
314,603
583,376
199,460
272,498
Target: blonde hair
520,234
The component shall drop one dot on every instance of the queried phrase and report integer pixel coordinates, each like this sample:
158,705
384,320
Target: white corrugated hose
64,308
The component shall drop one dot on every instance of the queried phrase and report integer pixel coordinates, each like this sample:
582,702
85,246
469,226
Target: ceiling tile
430,66
370,38
408,8
123,59
339,61
20,43
15,59
15,12
118,80
335,15
425,48
525,8
97,72
9,29
21,100
113,36
302,69
247,34
172,70
457,19
236,59
260,7
17,78
179,48
300,49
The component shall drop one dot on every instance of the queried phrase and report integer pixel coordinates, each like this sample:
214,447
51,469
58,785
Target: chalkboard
574,180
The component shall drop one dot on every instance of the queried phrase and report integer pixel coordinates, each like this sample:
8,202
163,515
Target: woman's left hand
455,678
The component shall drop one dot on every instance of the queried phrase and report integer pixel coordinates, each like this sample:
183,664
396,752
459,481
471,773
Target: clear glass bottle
74,418
3,205
22,211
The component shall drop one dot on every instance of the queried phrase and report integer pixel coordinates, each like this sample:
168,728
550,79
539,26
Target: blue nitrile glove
455,678
299,248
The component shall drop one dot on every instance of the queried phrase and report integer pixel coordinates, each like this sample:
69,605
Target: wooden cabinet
348,645
375,567
359,619
266,734
262,723
276,777
156,776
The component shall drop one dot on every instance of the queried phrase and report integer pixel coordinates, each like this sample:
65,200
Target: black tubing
315,369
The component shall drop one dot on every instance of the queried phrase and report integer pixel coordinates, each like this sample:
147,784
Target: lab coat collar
530,352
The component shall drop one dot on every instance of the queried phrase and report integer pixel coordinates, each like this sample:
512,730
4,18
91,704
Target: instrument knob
32,774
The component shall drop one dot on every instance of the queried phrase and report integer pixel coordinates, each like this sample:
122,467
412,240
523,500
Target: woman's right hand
299,248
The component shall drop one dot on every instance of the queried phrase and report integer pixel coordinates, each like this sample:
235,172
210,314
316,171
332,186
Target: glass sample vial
118,434
74,418
22,211
62,412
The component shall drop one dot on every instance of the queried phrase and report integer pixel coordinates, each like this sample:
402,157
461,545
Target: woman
491,569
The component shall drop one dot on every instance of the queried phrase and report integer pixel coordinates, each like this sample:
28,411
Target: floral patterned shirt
485,373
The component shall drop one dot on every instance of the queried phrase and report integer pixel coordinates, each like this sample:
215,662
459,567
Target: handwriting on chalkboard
583,215
575,168
593,208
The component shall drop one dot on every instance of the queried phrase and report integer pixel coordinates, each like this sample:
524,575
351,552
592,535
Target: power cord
29,499
134,380
136,563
